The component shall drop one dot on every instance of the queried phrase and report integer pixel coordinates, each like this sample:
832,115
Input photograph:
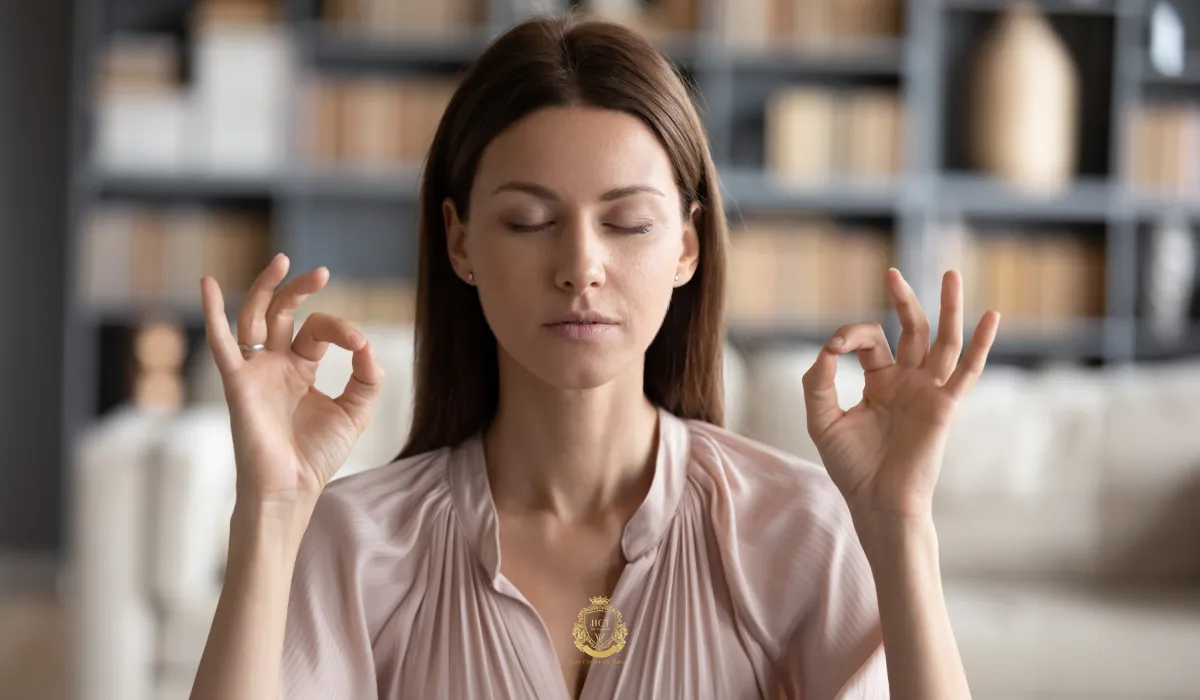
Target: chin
572,365
578,370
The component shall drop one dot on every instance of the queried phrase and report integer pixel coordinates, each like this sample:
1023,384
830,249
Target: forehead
580,152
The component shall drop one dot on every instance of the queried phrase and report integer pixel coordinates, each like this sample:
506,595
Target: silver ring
251,349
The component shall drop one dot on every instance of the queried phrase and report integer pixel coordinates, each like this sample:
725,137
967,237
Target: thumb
820,394
366,381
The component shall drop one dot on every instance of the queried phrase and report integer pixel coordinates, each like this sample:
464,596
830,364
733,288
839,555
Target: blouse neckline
472,496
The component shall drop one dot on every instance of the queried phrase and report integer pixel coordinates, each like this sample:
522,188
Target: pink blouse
745,579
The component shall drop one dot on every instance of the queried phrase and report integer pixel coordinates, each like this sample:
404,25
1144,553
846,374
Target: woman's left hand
885,453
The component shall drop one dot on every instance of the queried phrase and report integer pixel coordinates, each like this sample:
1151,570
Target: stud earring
470,278
676,278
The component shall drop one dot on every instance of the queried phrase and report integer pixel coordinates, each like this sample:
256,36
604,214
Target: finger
216,326
868,340
914,326
820,394
973,361
366,381
321,329
252,318
943,357
281,313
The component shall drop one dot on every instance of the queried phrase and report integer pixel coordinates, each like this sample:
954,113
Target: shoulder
784,530
376,505
767,483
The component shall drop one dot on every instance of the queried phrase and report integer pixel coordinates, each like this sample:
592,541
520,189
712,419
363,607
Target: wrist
892,537
268,527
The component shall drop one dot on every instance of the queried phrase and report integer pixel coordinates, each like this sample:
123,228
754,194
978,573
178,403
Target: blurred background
1050,150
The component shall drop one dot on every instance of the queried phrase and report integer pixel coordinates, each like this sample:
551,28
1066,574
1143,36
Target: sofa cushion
775,413
1151,498
1029,640
1020,484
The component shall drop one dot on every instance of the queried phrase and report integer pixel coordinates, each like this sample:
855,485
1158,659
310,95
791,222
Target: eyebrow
549,194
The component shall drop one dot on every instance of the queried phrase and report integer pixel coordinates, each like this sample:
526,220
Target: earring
676,278
470,278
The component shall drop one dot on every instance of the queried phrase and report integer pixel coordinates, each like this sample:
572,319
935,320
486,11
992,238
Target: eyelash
520,228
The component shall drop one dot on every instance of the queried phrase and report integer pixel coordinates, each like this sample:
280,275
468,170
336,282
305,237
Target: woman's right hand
289,438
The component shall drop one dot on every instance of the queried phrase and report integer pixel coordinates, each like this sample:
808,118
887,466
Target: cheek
646,281
501,258
513,270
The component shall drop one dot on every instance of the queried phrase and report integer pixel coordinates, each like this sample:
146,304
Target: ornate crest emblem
599,631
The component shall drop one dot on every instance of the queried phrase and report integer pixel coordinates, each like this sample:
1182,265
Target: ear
690,257
456,239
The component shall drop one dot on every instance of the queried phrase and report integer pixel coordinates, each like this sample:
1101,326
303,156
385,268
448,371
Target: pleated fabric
745,579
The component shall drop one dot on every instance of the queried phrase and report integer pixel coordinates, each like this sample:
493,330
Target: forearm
922,656
243,655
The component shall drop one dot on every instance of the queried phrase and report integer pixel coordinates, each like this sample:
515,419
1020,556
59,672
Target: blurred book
143,114
814,134
1164,149
832,25
243,73
211,13
373,123
228,119
139,63
401,19
139,255
655,18
806,270
1037,279
374,302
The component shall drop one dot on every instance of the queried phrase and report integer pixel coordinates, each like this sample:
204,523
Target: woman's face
575,235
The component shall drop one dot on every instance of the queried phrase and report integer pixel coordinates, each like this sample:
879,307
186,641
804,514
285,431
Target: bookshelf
361,221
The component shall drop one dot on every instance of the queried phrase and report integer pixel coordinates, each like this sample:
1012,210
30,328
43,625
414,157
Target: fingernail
837,341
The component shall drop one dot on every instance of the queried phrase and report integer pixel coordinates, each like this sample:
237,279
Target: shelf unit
307,207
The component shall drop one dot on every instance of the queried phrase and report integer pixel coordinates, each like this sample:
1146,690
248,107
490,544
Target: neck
574,455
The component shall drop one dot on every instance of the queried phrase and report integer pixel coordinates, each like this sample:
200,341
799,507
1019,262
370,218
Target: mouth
582,326
584,319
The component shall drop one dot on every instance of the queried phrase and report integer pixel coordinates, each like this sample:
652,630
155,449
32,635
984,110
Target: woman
566,493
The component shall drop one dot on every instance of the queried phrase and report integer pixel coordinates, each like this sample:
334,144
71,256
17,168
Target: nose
580,259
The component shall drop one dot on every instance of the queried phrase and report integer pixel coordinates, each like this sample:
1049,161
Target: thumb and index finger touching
820,389
318,332
870,343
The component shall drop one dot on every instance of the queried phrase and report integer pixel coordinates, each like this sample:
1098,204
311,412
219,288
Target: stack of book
404,19
1036,279
814,135
1164,149
136,255
374,302
825,24
228,120
655,18
807,270
371,122
143,117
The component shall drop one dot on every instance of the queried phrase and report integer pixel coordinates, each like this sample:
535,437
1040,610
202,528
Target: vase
1023,103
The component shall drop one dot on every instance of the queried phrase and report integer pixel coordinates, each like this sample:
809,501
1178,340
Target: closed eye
530,228
534,228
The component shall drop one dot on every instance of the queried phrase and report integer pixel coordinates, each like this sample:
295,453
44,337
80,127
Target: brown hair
540,63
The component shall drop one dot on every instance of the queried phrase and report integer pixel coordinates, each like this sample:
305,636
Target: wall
35,53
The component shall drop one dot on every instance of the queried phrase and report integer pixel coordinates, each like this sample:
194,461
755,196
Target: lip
581,331
584,317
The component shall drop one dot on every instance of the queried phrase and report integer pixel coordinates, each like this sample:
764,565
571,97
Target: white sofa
1066,515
